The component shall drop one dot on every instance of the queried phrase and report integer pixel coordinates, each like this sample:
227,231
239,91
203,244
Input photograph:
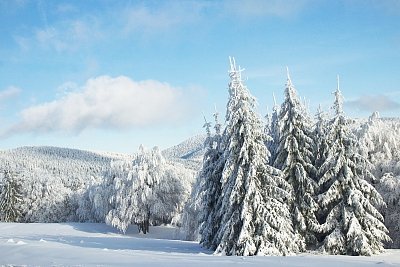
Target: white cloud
107,102
373,103
10,92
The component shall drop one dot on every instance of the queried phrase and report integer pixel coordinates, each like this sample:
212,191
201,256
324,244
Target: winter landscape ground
91,244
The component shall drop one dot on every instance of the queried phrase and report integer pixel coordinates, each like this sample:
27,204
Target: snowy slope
189,152
75,244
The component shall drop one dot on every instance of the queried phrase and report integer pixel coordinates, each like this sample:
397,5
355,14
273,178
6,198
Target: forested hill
59,184
189,152
77,163
49,154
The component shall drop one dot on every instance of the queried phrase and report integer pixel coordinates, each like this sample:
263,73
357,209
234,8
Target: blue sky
110,75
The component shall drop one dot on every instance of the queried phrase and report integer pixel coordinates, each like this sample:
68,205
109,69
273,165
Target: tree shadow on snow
100,228
109,238
126,243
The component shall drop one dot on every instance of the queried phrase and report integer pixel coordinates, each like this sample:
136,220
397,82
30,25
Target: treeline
47,184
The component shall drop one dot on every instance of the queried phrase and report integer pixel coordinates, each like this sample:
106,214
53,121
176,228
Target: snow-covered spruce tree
146,191
321,142
366,136
389,188
379,140
321,154
210,192
10,198
272,130
255,218
353,225
295,158
198,209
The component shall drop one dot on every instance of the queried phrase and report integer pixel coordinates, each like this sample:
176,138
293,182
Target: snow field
88,244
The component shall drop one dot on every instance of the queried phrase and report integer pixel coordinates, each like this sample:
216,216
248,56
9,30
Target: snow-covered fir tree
321,143
210,192
10,197
146,191
255,218
366,136
389,188
200,209
272,131
295,158
353,225
379,140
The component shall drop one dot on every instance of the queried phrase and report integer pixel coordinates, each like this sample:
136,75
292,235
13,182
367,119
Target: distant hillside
56,181
53,179
60,153
190,152
60,163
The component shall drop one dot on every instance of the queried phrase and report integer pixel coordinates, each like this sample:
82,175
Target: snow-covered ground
88,244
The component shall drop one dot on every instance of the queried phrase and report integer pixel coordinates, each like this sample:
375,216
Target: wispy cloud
65,8
161,18
373,103
73,29
259,8
10,92
144,19
68,35
107,102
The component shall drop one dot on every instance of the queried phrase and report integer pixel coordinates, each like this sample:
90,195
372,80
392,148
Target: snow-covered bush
145,191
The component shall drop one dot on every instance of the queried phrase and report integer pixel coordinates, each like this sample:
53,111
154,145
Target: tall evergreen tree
255,219
10,198
199,218
295,157
272,131
321,154
210,175
321,142
353,225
